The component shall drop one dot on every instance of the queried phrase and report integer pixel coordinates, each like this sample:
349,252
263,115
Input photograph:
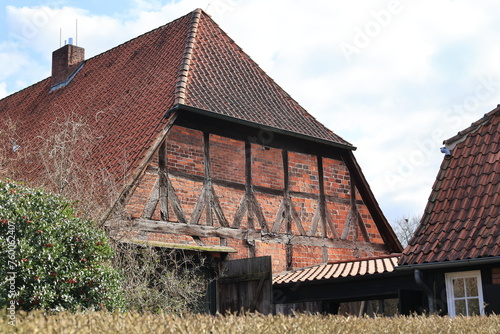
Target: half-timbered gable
213,155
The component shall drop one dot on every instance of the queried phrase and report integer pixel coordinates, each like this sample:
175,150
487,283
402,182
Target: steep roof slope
462,217
237,87
123,94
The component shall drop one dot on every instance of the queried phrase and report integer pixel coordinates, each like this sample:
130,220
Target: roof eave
181,107
449,264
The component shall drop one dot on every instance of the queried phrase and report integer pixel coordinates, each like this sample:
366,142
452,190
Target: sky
394,78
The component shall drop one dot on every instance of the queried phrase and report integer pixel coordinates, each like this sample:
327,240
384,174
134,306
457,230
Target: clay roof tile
464,199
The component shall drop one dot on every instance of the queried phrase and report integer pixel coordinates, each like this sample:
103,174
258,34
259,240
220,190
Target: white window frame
449,289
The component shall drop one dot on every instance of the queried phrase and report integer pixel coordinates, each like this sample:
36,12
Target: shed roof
341,269
462,217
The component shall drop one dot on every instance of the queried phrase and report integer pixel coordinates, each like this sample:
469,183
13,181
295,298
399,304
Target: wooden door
246,285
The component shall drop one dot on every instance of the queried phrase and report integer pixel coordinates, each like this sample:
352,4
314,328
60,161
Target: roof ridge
110,50
462,135
182,76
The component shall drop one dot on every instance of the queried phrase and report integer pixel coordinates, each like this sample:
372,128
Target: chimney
65,61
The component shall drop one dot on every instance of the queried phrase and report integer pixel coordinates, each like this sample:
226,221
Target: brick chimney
64,63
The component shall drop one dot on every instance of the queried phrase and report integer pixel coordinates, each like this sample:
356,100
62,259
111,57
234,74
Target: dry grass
133,322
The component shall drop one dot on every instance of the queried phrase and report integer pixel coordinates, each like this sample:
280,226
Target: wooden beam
347,225
315,221
322,203
324,254
280,218
162,181
286,193
150,207
296,218
257,210
289,256
383,226
132,183
217,208
248,183
240,212
362,227
200,204
174,201
149,225
329,221
207,181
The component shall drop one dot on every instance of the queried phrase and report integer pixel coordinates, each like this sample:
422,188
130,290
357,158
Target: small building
455,252
207,154
452,264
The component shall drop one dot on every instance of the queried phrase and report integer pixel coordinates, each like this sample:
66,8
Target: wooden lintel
149,225
203,231
336,243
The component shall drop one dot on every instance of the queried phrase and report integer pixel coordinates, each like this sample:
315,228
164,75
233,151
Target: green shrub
50,258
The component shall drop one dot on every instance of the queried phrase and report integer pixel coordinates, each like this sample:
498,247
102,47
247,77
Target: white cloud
3,90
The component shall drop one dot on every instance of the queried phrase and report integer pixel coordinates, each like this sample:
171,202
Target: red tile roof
462,217
342,269
125,92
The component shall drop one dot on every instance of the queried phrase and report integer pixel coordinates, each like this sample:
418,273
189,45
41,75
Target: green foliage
50,258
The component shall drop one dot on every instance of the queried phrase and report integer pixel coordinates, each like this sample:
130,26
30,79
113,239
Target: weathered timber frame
280,230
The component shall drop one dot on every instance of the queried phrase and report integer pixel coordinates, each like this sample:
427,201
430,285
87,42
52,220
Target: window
464,293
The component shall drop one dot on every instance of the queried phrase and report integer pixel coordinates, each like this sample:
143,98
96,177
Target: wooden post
287,210
356,216
163,182
208,180
322,202
248,184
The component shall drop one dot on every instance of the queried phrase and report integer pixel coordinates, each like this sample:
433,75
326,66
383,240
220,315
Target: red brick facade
185,164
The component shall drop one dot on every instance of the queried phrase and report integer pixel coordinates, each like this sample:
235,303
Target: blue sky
395,78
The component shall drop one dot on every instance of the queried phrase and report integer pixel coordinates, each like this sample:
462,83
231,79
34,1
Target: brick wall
227,158
304,256
185,151
267,167
185,164
303,173
276,251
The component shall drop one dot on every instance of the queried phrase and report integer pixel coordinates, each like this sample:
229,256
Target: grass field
133,322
